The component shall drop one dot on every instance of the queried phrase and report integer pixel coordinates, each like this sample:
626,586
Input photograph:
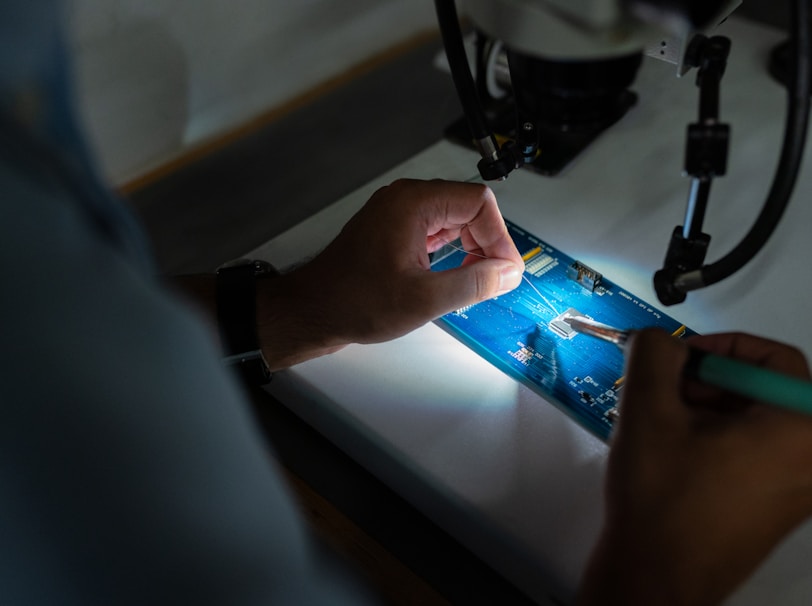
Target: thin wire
455,247
550,305
524,277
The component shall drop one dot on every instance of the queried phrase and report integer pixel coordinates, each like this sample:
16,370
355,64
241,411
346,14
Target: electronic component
539,265
561,327
531,253
585,276
524,332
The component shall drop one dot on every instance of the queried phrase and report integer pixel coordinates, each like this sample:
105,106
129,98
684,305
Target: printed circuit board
524,334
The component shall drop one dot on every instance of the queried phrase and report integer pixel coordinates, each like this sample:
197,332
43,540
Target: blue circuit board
524,334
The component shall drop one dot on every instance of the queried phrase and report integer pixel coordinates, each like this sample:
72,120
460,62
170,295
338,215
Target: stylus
732,375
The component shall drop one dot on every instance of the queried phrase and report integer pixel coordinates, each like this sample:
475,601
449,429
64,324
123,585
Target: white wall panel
157,77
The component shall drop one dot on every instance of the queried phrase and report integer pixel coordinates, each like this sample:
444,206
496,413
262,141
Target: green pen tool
732,375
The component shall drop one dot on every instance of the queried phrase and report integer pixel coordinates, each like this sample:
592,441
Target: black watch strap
237,319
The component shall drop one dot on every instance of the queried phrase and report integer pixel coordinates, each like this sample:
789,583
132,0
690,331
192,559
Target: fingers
748,348
378,270
486,231
446,291
466,210
757,350
654,371
444,211
470,211
714,489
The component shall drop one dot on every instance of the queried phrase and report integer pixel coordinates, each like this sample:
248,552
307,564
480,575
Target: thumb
471,283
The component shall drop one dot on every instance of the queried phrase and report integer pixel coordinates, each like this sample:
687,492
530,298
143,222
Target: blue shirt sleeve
131,471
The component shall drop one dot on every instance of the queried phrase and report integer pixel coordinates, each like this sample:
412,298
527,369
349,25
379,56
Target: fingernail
510,276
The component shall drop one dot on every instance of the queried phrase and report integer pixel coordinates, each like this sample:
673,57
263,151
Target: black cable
789,162
460,70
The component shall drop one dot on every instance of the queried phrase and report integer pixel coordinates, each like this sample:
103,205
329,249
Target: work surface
498,467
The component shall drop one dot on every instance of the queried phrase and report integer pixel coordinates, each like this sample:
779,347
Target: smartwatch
237,318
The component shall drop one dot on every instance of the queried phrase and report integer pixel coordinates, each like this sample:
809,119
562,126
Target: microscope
550,75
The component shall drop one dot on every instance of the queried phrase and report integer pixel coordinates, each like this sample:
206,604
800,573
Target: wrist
290,321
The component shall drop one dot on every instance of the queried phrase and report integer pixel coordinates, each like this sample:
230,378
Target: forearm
287,317
374,282
291,321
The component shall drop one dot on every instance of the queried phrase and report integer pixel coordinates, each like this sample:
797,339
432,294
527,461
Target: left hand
374,281
702,484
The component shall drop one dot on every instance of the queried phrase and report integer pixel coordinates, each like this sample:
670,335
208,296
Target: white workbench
494,464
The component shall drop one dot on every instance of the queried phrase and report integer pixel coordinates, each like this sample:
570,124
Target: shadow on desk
395,549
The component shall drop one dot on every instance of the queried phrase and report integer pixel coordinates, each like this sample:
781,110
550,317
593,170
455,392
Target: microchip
585,276
560,327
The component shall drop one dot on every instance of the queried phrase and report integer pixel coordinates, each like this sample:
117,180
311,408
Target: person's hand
701,484
374,282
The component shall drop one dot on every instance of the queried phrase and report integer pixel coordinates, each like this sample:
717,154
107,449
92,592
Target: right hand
374,282
702,484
